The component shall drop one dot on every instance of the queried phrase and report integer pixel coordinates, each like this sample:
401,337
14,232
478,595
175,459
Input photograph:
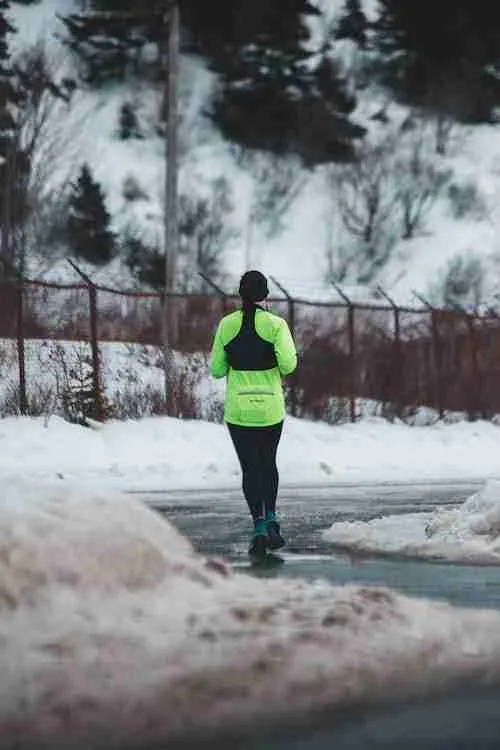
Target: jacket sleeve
285,350
219,365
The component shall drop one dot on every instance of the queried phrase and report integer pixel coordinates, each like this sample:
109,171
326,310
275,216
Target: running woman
254,348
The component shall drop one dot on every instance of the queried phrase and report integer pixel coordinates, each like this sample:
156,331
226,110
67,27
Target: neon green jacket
254,398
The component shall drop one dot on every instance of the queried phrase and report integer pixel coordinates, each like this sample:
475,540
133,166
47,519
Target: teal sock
270,516
260,527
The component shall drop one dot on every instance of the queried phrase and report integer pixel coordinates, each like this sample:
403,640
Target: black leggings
256,448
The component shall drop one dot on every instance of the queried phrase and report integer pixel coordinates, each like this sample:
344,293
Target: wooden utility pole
171,198
6,218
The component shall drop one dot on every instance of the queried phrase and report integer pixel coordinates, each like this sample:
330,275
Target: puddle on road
221,527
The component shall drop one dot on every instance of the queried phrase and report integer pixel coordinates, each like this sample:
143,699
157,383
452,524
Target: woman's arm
219,365
284,347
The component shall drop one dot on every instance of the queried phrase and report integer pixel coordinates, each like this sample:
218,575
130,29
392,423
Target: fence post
476,372
96,360
474,406
490,398
23,399
294,380
398,359
94,342
352,350
436,343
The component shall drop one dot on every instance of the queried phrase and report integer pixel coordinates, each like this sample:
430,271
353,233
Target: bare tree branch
420,180
46,140
364,193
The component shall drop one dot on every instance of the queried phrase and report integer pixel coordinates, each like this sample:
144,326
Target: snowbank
470,533
162,453
112,628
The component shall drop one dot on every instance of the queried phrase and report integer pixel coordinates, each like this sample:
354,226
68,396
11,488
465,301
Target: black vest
247,351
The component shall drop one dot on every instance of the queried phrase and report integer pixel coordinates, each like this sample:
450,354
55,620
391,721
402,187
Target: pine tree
353,24
429,47
103,44
89,235
268,98
324,131
220,28
109,37
268,89
128,124
78,395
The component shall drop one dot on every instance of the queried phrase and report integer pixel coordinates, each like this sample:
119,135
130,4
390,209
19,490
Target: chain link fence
89,351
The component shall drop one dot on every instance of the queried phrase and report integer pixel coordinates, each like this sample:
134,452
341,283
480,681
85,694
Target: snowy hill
305,243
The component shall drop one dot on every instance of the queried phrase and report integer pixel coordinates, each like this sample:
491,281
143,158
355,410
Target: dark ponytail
253,289
249,309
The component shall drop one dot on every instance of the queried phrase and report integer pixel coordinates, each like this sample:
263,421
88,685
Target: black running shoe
258,547
274,538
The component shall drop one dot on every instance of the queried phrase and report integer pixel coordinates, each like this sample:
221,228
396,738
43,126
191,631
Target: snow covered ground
163,453
111,627
470,533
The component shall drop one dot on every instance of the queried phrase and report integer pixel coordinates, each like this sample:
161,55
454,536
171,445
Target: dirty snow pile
113,630
469,533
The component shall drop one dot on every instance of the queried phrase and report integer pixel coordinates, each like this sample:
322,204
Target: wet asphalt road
218,524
